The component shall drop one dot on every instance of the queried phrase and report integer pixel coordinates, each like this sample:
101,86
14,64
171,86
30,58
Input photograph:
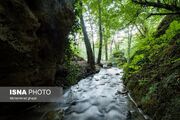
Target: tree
106,48
111,45
130,28
92,31
90,56
171,5
100,33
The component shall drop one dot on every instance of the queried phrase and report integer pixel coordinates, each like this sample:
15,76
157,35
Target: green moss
73,73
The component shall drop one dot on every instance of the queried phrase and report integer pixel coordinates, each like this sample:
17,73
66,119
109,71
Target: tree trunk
90,56
169,6
111,45
92,31
129,43
106,49
100,33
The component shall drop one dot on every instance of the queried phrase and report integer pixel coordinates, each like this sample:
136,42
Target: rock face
32,39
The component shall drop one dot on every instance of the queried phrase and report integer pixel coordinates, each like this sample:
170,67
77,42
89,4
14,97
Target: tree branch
151,14
140,31
158,5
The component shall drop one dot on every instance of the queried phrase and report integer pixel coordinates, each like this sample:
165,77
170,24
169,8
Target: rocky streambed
99,97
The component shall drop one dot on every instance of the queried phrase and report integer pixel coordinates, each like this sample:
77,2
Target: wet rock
121,92
129,115
110,64
80,107
117,73
73,103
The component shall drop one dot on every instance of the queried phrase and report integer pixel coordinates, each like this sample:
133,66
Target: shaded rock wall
32,39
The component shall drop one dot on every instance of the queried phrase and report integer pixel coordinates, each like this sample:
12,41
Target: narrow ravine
99,97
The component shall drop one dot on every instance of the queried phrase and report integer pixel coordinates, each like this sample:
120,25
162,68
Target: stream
101,96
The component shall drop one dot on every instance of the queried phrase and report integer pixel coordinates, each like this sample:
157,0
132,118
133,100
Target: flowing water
98,97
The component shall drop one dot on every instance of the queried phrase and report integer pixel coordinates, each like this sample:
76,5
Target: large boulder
33,34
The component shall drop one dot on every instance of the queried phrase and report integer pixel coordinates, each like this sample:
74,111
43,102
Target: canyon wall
33,34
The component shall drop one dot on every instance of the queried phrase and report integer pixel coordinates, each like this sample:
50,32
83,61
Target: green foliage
74,71
71,49
152,89
154,68
142,82
148,49
176,60
137,60
154,50
171,31
118,58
